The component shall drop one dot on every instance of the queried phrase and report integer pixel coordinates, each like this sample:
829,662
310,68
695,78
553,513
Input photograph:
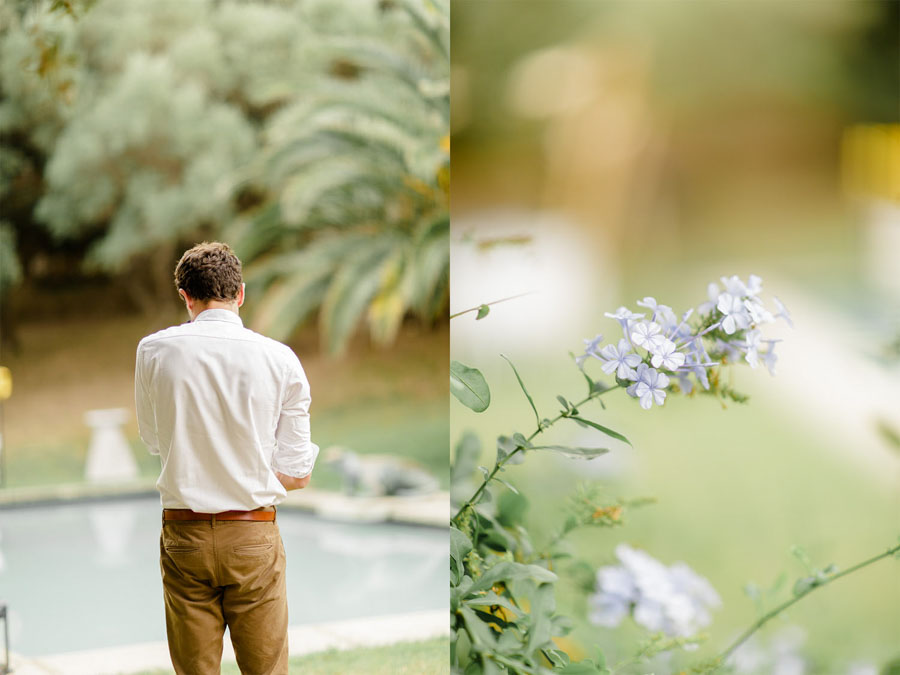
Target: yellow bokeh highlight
870,161
5,383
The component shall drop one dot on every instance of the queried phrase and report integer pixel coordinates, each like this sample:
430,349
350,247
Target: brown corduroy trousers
224,573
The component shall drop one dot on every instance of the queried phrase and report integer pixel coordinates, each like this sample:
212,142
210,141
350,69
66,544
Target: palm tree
355,177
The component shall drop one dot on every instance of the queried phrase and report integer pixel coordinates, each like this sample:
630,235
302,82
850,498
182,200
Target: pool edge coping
304,639
431,510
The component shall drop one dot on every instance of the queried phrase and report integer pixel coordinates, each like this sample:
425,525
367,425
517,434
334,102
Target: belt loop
275,509
213,520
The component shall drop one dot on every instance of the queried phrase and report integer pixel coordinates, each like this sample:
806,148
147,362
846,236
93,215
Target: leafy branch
522,443
803,588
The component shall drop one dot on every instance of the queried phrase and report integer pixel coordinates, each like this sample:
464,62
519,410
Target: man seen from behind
227,411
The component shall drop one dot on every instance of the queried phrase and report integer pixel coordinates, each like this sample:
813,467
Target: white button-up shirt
224,408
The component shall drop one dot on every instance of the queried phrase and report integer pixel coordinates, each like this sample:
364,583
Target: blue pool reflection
86,576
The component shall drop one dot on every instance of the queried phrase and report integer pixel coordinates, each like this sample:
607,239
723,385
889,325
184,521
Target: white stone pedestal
109,456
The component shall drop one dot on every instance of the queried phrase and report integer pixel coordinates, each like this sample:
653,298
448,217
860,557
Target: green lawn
429,657
407,428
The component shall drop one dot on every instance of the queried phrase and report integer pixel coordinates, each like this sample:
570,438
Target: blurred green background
311,136
608,151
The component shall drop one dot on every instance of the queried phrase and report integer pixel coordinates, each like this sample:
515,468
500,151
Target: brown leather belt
187,514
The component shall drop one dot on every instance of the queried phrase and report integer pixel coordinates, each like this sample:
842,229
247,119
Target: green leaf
511,507
581,668
600,427
557,657
527,395
306,187
469,387
598,387
467,451
803,586
494,535
562,625
505,447
394,298
292,285
460,545
483,637
520,440
541,611
564,403
353,286
509,571
510,643
288,302
509,485
573,452
590,382
491,599
431,267
483,311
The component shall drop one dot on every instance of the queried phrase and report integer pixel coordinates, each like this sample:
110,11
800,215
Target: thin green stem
474,498
488,304
763,620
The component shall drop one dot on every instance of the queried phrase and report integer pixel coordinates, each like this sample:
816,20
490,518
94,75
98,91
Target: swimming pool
85,576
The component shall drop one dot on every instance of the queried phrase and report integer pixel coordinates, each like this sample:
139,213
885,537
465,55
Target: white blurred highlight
502,253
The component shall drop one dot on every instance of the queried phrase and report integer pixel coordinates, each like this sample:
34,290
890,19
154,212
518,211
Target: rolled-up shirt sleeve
295,453
146,416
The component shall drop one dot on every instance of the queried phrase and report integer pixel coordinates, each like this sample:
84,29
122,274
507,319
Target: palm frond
354,285
356,172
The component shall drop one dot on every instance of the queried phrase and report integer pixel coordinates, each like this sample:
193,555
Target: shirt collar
219,315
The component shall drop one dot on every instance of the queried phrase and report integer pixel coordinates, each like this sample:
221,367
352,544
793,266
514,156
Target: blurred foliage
364,161
830,55
10,271
311,135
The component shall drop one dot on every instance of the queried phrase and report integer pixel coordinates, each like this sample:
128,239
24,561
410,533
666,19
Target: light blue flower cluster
655,351
674,600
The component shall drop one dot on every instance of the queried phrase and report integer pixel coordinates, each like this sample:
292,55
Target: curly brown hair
209,271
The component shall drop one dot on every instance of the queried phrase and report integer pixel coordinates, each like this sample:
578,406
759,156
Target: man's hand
291,483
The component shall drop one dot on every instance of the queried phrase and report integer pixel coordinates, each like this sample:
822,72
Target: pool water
86,576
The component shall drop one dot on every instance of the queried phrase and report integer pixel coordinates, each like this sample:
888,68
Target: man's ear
240,297
184,296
